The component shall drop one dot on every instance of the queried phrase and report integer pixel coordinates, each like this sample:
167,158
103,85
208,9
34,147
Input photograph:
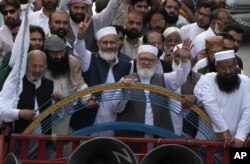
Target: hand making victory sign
83,26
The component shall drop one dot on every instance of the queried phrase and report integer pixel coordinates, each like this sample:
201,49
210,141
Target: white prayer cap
105,31
178,45
223,55
148,48
171,30
70,2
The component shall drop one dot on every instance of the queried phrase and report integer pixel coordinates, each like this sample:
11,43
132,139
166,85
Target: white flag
12,87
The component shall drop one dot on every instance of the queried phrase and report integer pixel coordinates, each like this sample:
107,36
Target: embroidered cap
148,48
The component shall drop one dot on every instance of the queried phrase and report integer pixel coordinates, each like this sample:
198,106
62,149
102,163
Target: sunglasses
5,12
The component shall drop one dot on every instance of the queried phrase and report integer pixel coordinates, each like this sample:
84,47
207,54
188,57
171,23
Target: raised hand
83,26
185,51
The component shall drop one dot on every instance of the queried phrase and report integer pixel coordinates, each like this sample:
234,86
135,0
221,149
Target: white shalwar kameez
226,110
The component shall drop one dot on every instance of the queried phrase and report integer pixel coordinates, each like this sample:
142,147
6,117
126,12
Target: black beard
159,53
60,32
11,23
228,84
77,18
58,68
204,26
49,5
132,34
211,66
172,19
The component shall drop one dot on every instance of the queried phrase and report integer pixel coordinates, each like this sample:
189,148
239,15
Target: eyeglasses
198,13
143,60
5,12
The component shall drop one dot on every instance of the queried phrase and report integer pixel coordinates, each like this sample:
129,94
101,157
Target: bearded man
10,9
133,31
100,67
65,71
78,10
149,113
225,97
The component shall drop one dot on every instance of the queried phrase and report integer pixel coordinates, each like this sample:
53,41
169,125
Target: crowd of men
165,43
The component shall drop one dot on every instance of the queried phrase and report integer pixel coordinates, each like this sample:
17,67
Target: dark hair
34,28
145,37
57,12
100,5
14,3
119,28
208,4
234,27
226,35
133,2
155,10
165,2
216,12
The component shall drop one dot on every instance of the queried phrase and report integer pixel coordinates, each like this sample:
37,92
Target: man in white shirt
41,17
219,18
225,97
102,67
202,23
11,17
174,19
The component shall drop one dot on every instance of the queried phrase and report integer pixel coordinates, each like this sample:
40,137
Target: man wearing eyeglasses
219,18
203,19
10,9
150,114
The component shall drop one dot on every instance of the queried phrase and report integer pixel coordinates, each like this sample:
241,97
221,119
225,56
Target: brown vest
135,110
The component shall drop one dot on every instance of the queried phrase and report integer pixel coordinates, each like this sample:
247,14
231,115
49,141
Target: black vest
96,75
27,101
135,111
98,70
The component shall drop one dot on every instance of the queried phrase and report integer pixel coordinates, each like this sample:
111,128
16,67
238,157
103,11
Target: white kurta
38,18
227,111
199,41
190,31
200,64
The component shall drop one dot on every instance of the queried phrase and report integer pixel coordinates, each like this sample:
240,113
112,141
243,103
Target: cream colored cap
105,31
148,48
223,55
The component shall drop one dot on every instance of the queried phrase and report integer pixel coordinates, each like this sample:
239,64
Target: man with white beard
100,67
147,113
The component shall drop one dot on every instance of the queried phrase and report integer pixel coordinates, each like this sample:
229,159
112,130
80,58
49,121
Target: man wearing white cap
101,67
225,97
150,114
